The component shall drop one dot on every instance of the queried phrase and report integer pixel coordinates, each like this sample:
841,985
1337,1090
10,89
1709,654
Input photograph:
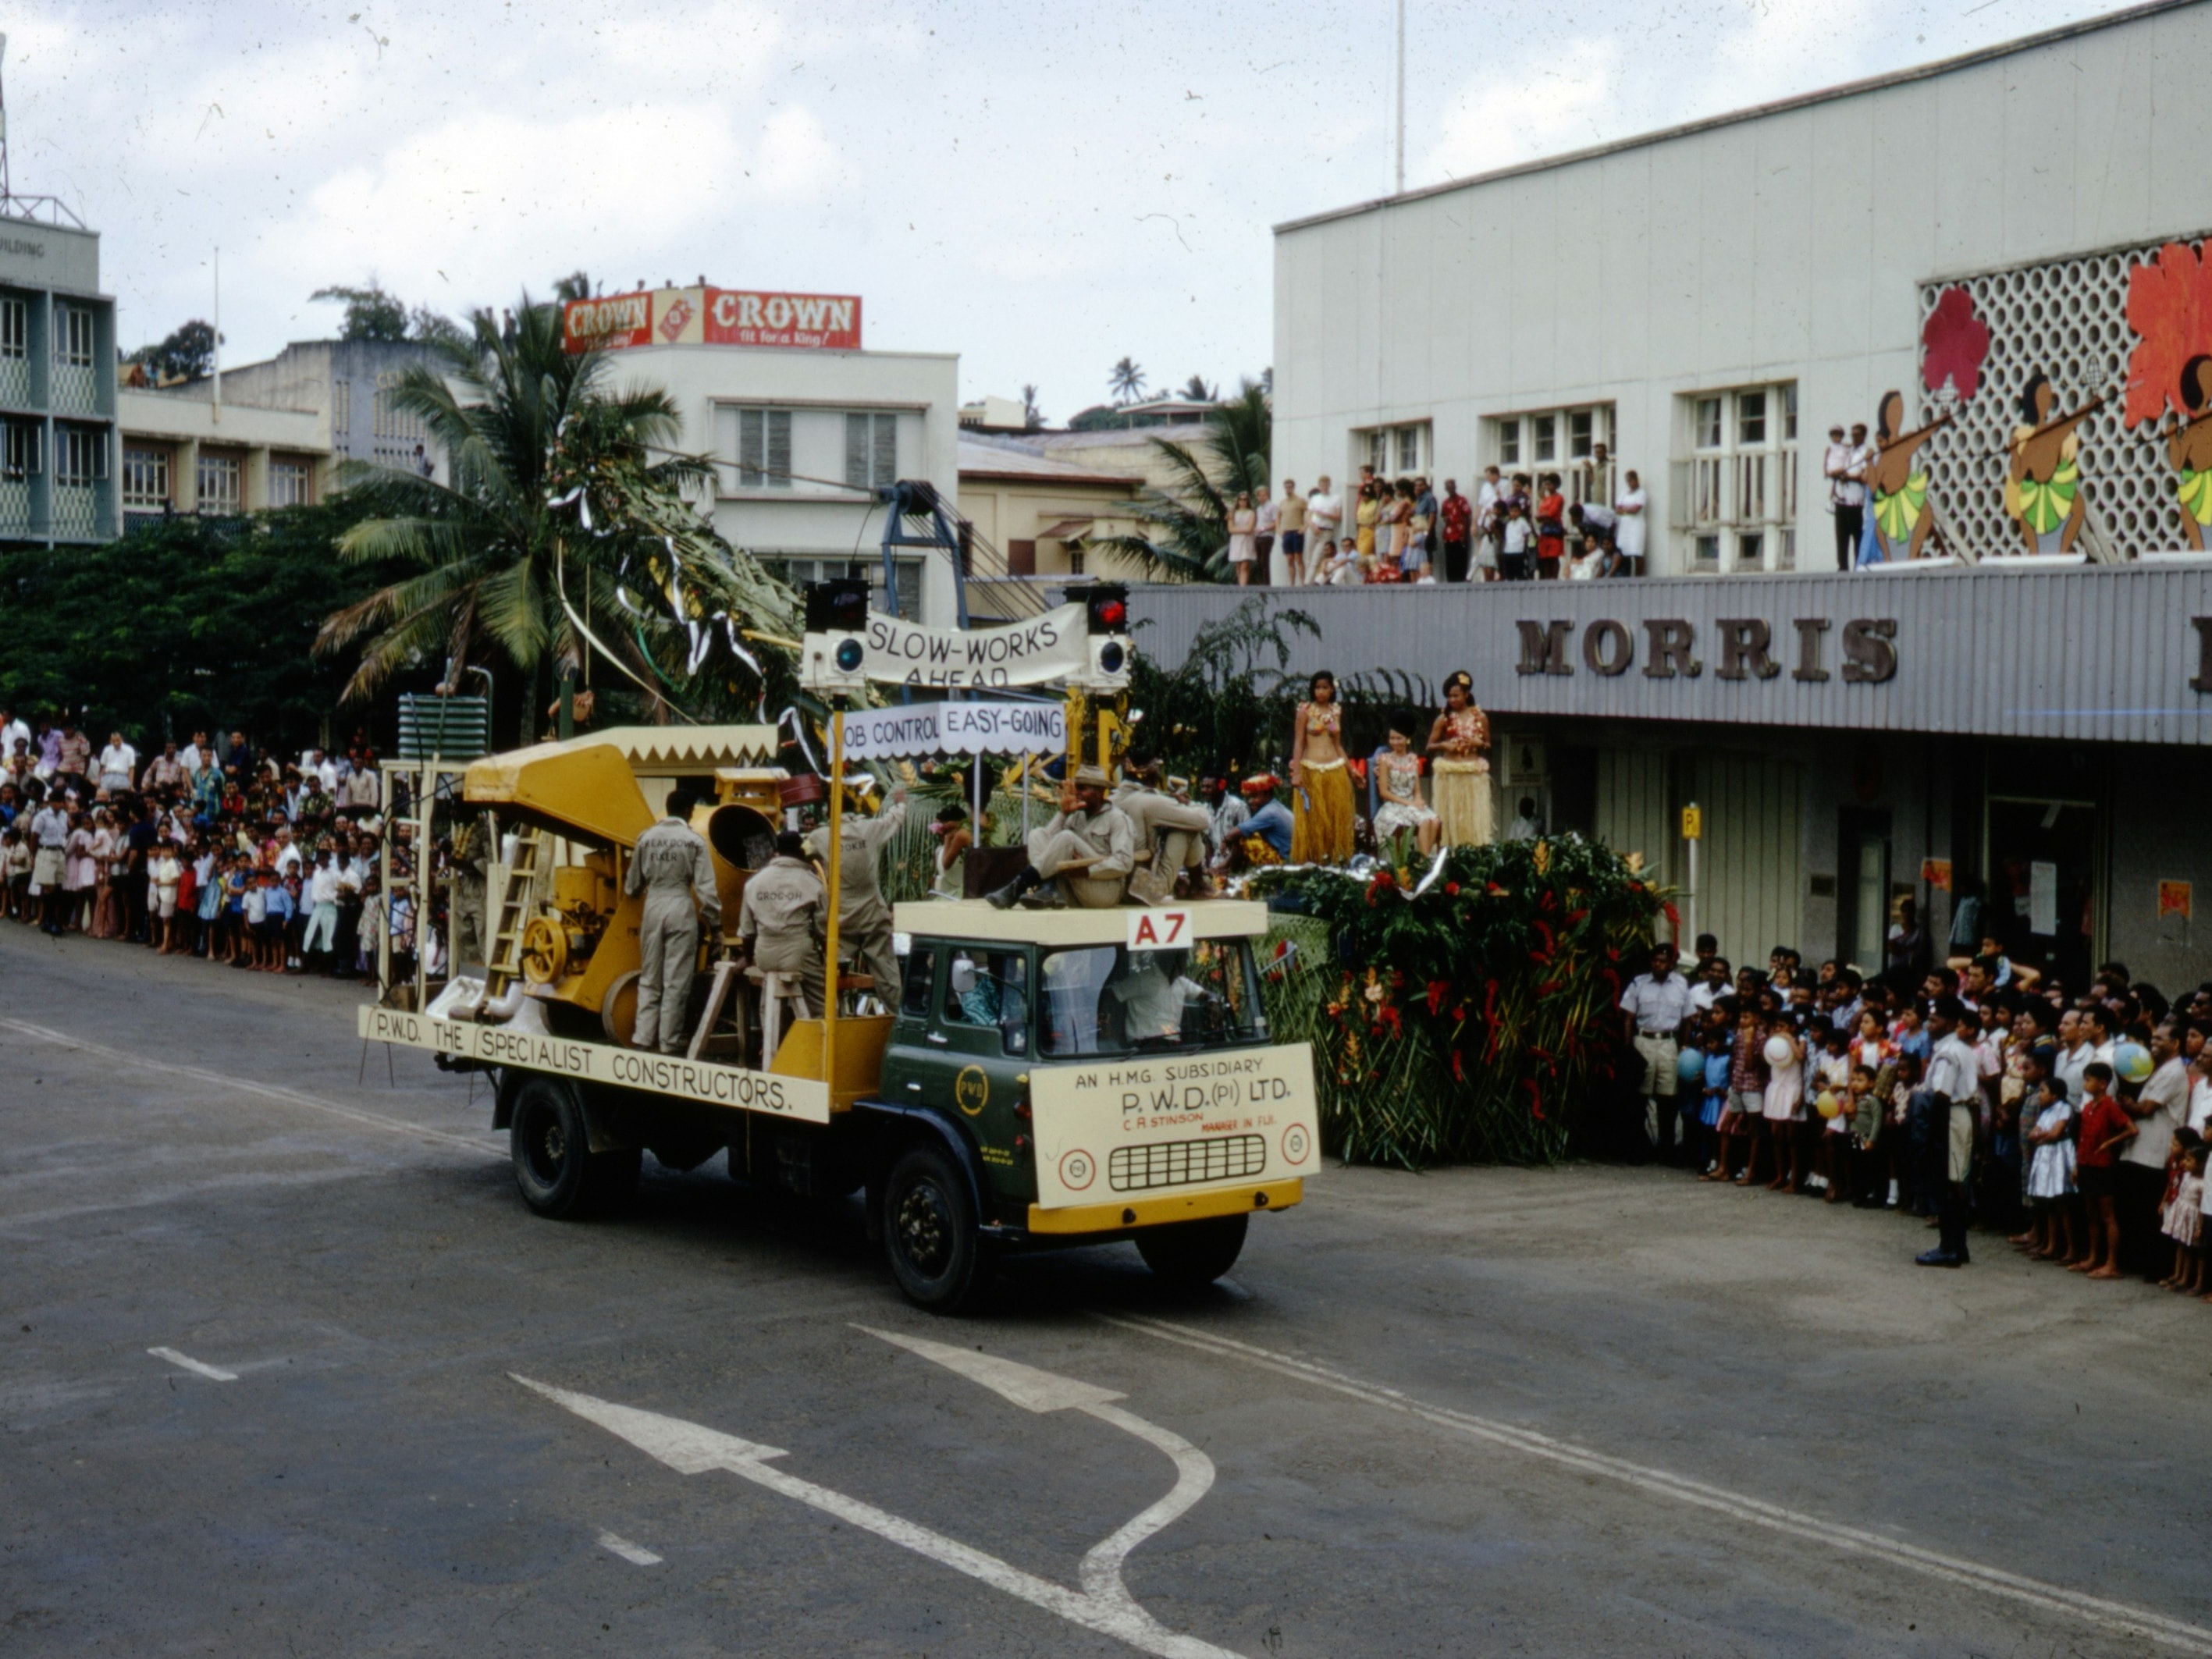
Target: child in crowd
1712,1150
1746,1101
1909,1070
2106,1127
2050,1174
1513,558
1783,1108
253,919
2184,1221
16,873
1551,527
1830,1076
1865,1156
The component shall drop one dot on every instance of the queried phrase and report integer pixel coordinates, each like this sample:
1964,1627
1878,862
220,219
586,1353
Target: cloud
1564,98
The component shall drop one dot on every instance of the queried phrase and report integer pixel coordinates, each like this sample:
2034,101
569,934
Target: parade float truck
1041,1077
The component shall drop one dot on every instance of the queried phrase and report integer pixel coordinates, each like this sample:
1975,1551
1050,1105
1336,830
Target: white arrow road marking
692,1449
636,1554
2055,1598
1045,1391
196,1367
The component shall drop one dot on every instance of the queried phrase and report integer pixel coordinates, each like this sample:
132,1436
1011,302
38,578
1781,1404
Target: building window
340,407
871,450
74,343
1734,494
145,477
80,455
387,419
1569,439
764,448
19,448
1403,451
287,481
14,329
220,478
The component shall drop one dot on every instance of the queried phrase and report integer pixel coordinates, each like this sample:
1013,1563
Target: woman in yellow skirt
1320,783
1461,787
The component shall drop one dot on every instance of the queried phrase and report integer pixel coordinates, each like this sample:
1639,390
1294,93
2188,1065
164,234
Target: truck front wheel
1193,1253
556,1169
930,1232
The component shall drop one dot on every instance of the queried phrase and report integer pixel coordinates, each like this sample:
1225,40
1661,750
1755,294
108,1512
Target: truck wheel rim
925,1229
549,1150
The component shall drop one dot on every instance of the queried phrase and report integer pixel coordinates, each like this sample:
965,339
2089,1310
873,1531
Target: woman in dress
1399,512
1244,538
1785,1101
1456,742
109,855
1320,783
953,840
81,872
1398,782
1366,516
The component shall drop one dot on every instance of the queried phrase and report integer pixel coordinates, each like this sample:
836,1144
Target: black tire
1193,1253
556,1170
930,1232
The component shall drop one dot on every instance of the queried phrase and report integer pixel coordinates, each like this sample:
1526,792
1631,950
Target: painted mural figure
2189,449
1457,740
1899,493
2043,486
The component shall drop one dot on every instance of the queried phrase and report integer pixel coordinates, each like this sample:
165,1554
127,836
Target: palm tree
1198,392
1127,380
565,532
1032,417
1189,520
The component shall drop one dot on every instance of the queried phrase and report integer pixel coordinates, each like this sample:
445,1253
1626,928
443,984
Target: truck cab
1075,1076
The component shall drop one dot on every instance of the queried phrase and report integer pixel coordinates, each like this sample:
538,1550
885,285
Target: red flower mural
1954,342
2170,309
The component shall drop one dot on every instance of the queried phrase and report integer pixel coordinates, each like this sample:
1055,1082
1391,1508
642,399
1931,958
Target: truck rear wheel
930,1232
1193,1253
556,1169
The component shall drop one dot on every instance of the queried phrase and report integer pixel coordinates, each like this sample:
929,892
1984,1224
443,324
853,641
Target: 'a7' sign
1160,930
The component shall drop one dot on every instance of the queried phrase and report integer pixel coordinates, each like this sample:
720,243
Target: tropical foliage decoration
1226,705
1463,1010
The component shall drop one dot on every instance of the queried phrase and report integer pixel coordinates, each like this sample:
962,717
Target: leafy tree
1223,706
184,623
1198,392
187,354
576,285
1190,521
1127,381
560,535
434,328
1032,417
370,313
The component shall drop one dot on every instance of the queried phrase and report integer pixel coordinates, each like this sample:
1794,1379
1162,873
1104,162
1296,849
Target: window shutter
751,447
779,448
856,450
886,456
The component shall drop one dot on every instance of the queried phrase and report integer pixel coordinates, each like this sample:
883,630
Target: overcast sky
1040,187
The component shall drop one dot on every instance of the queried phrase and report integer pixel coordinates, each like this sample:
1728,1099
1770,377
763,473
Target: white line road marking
636,1554
196,1367
2053,1598
692,1449
138,1062
1042,1391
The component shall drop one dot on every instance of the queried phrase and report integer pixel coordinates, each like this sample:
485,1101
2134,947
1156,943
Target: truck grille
1185,1162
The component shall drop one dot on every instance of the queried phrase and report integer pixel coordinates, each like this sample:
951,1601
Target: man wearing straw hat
1088,849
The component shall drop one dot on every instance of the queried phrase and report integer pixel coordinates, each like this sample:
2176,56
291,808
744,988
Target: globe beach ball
1690,1066
1778,1051
2131,1062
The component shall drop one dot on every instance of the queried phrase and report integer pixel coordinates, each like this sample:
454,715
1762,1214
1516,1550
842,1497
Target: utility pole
1400,188
218,337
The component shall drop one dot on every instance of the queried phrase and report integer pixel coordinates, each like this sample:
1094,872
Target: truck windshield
1101,1000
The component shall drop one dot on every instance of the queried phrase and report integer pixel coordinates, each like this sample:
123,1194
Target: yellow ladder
516,900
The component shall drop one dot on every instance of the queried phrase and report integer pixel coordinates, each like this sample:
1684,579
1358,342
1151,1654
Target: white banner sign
1159,1125
957,728
1053,646
806,1098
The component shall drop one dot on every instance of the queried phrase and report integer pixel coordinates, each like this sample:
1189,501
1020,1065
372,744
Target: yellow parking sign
1693,824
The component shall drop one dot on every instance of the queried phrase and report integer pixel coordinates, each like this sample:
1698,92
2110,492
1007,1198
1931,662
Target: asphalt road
1592,1411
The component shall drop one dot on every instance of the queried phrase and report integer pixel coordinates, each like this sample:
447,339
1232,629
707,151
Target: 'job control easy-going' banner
956,728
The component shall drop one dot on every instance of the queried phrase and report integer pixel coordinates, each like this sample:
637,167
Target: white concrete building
1708,300
804,432
183,453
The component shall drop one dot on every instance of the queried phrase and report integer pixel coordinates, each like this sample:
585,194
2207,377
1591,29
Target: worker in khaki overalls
673,869
783,917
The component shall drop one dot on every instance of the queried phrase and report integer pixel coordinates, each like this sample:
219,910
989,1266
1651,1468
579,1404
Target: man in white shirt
11,730
1953,1082
2074,1051
118,765
1628,531
322,897
1846,495
196,754
1656,1005
1267,516
288,850
2161,1107
1324,514
49,832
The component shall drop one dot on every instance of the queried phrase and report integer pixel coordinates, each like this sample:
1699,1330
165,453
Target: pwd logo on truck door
1160,930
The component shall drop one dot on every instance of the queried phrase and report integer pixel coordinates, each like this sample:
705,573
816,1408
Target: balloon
2131,1063
1826,1104
1780,1051
1690,1066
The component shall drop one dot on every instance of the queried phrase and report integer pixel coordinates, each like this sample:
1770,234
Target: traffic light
833,656
1106,615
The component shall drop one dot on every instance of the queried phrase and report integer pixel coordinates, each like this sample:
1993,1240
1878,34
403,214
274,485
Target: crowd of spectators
214,850
1517,526
2070,1118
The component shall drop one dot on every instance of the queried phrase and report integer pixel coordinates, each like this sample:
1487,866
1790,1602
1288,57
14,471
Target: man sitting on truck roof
1171,832
1087,850
784,916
